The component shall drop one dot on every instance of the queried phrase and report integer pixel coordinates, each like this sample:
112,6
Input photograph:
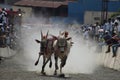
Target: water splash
80,60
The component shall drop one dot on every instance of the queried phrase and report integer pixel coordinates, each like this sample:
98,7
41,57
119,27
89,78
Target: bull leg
44,64
36,63
50,65
56,65
63,62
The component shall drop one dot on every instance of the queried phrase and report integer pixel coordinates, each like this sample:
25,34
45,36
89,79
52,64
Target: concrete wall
89,17
108,61
105,59
7,52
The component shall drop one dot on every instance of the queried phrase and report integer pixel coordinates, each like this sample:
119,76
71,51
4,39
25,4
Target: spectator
115,46
86,34
97,27
110,41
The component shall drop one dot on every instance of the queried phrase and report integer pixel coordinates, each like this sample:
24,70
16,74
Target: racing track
16,68
10,70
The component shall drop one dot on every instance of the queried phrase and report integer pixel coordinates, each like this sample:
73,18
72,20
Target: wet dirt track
10,70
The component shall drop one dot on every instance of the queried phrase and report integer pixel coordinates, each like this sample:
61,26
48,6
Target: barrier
108,61
6,52
105,59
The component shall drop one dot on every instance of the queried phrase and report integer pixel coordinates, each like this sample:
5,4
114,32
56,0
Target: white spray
80,60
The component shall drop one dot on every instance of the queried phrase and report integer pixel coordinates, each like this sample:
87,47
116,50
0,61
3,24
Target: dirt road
10,70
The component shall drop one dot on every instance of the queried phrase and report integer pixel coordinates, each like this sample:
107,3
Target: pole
104,10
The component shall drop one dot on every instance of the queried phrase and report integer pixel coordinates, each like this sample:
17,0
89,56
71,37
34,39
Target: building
48,8
82,11
91,11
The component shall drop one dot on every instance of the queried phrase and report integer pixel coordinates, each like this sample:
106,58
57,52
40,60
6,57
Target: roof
40,3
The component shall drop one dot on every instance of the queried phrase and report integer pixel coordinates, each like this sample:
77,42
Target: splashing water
80,60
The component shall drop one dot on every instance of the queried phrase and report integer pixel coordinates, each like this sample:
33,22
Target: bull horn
41,35
47,34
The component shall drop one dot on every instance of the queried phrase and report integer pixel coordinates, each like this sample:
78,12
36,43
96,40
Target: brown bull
46,50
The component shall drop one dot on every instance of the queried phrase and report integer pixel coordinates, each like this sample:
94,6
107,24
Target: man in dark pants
115,46
107,37
109,40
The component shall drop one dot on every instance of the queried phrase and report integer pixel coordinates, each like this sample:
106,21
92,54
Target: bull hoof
55,73
50,65
43,73
62,75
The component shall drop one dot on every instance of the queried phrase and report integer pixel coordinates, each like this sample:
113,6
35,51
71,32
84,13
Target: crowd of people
107,33
8,18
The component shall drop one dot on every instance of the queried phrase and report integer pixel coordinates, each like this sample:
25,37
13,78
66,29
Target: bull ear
68,38
54,37
37,41
41,35
47,34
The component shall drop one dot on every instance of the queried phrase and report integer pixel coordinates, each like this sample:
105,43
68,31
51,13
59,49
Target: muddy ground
10,70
